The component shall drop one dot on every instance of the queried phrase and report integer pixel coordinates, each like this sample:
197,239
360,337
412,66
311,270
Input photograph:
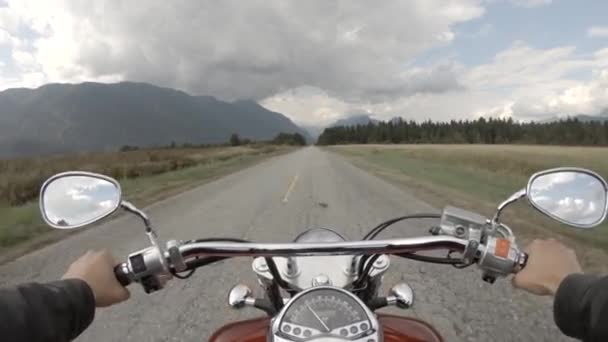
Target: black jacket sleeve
56,311
581,307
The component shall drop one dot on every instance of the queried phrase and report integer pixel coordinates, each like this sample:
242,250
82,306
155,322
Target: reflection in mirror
575,198
75,200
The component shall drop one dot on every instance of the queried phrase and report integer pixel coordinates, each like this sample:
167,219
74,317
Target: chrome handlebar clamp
490,242
149,267
175,257
461,223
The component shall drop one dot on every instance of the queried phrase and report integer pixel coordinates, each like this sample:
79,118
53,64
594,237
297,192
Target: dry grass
511,160
145,176
20,179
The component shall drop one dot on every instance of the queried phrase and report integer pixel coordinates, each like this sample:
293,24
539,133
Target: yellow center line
292,185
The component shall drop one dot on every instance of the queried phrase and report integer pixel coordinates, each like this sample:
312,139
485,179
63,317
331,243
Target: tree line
570,131
295,139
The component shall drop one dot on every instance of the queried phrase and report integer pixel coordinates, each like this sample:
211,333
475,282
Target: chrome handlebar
253,249
496,257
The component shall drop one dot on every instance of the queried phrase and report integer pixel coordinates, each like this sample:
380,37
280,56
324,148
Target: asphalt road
274,201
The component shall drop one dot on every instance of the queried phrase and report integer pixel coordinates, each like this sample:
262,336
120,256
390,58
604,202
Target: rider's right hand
549,262
97,270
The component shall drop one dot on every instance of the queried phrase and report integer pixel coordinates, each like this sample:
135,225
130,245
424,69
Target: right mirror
571,196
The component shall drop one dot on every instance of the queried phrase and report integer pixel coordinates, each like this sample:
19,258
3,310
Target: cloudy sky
317,61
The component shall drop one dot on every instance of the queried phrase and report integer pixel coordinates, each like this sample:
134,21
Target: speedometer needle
318,318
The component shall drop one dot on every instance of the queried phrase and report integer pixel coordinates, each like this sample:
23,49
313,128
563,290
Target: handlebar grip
121,271
522,262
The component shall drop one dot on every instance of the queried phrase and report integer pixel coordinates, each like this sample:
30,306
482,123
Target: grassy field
145,176
478,177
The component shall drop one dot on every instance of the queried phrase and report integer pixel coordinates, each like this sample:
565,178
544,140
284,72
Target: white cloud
520,82
32,79
598,31
446,36
537,83
5,37
9,20
24,59
586,97
522,65
236,49
308,106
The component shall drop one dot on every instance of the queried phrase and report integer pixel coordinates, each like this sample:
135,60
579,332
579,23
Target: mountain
313,131
603,116
60,118
586,118
360,119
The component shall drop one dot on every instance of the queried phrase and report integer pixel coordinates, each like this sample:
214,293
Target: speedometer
325,312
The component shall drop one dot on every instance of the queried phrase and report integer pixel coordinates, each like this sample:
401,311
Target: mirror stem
128,206
514,198
152,236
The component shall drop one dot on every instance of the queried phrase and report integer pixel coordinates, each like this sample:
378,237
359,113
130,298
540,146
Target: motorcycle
321,287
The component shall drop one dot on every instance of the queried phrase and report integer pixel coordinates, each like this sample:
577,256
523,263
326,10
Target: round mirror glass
572,197
73,201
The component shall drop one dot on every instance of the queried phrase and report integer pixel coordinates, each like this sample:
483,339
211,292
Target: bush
268,149
296,139
127,148
21,179
235,140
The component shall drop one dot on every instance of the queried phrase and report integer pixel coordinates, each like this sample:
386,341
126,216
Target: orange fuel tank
395,329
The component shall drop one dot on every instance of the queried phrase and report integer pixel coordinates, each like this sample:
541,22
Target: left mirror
75,199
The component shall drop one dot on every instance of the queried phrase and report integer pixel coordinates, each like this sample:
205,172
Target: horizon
314,130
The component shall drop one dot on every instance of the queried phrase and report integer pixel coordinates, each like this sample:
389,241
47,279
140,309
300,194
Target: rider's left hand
96,268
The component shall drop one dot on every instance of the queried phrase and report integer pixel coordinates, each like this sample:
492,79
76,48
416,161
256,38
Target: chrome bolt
260,265
380,262
321,280
292,267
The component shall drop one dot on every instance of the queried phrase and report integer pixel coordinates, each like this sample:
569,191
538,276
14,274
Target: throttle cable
364,265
